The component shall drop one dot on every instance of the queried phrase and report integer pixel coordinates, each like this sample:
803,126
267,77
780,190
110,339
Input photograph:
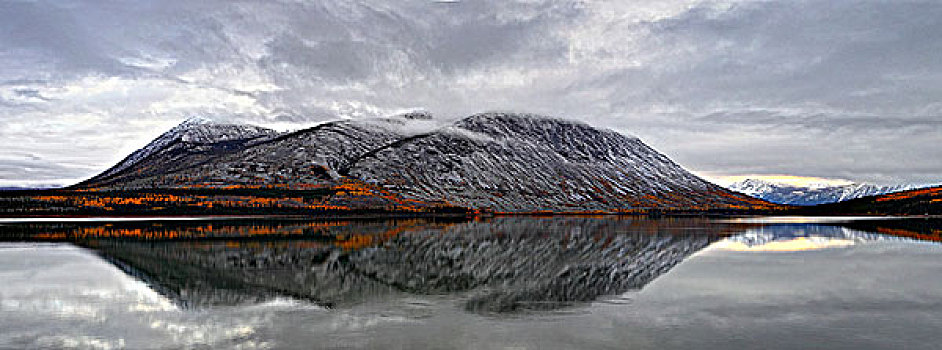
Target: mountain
498,161
522,162
809,195
922,201
192,142
233,155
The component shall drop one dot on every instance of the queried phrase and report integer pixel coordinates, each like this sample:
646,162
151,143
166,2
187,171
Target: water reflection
496,265
664,284
800,237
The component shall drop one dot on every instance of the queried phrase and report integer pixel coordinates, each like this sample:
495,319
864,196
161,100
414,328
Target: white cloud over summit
845,89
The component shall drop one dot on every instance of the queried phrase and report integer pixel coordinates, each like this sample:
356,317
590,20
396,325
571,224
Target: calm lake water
498,283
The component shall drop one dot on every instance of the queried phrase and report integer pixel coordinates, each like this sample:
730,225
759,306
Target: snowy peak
202,130
191,122
193,131
753,187
812,194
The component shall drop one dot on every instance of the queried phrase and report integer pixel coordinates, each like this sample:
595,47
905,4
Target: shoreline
5,219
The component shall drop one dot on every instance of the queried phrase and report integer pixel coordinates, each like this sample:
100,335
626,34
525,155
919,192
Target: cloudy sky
833,89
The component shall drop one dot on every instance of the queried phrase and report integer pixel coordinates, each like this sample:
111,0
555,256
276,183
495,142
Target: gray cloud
814,88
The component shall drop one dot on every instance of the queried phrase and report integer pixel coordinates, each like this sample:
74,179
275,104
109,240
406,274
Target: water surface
506,282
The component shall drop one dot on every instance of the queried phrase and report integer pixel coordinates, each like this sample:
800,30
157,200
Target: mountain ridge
505,162
193,132
812,194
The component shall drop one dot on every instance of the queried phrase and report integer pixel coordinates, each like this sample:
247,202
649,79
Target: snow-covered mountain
499,161
522,162
194,136
810,195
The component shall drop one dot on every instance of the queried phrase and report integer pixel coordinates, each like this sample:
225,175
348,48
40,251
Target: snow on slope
307,156
519,162
810,195
500,161
191,134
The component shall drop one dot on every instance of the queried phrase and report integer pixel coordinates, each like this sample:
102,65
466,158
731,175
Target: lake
560,282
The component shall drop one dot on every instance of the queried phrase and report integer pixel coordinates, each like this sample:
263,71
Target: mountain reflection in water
496,265
500,264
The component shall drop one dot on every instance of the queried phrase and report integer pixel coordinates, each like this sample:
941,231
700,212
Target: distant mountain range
502,162
810,195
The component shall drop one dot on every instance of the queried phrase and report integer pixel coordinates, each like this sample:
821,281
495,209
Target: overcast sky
833,89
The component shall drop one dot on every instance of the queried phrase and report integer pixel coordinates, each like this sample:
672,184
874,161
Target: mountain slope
194,140
497,161
519,163
809,195
304,157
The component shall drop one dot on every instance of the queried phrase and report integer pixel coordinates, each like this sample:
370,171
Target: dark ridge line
291,134
345,171
215,157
